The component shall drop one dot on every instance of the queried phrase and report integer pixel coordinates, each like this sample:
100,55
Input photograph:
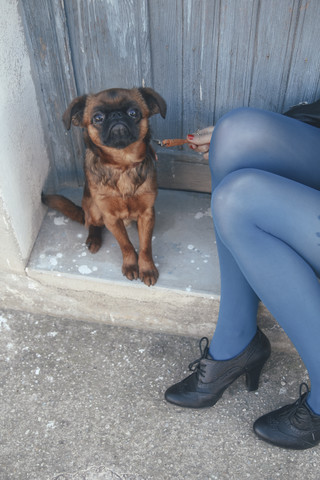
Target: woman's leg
274,143
271,226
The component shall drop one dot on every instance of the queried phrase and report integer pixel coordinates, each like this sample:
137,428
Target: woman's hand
200,141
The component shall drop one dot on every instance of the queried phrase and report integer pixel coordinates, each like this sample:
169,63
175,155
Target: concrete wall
24,161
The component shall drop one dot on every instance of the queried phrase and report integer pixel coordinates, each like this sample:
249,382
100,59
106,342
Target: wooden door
204,57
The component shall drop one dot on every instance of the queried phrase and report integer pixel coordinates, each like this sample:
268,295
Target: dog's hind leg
76,213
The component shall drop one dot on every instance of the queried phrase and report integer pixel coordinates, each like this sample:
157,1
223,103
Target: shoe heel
253,376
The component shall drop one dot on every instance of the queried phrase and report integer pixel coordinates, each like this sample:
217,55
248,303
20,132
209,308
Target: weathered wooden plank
271,60
200,58
166,55
110,43
237,22
48,39
303,82
183,172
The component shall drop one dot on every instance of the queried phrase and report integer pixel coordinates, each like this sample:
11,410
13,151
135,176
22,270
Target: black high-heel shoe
210,378
294,426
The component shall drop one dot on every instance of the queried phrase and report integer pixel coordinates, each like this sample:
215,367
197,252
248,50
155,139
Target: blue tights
266,210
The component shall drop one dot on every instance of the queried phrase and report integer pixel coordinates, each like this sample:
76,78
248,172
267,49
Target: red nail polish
190,137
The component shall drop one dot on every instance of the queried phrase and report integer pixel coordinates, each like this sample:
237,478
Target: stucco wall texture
23,158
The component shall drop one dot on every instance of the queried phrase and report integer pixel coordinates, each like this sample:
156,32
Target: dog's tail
65,206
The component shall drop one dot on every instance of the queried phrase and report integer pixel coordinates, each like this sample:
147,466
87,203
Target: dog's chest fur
116,190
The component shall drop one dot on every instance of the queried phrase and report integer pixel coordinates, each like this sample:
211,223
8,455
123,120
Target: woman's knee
234,198
233,139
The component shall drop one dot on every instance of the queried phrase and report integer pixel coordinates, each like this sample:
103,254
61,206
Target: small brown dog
120,174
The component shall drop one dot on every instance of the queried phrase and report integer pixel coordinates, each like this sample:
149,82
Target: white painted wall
24,161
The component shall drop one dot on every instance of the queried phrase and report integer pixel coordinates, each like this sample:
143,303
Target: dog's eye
98,118
133,113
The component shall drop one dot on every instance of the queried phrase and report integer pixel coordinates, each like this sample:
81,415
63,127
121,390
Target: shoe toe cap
177,396
279,433
268,431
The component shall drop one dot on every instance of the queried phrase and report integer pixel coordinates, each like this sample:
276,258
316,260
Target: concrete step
92,287
183,245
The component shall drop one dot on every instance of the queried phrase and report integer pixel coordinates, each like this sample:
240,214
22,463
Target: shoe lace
196,365
299,414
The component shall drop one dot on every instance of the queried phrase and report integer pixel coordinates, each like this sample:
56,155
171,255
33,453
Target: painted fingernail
190,137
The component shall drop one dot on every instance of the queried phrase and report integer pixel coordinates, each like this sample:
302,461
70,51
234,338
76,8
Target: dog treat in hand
173,142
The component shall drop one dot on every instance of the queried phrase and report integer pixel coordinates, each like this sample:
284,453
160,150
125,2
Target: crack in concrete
98,473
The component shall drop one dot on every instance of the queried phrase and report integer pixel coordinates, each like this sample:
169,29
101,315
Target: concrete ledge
63,278
157,310
183,246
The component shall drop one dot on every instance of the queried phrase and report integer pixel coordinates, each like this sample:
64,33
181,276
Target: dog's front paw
131,271
93,243
149,275
94,239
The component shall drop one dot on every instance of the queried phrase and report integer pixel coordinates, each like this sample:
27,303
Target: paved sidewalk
84,401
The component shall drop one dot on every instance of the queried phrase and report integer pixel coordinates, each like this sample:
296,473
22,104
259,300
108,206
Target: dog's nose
115,115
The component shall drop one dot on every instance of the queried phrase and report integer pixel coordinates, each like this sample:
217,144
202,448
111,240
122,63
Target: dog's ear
155,102
74,112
